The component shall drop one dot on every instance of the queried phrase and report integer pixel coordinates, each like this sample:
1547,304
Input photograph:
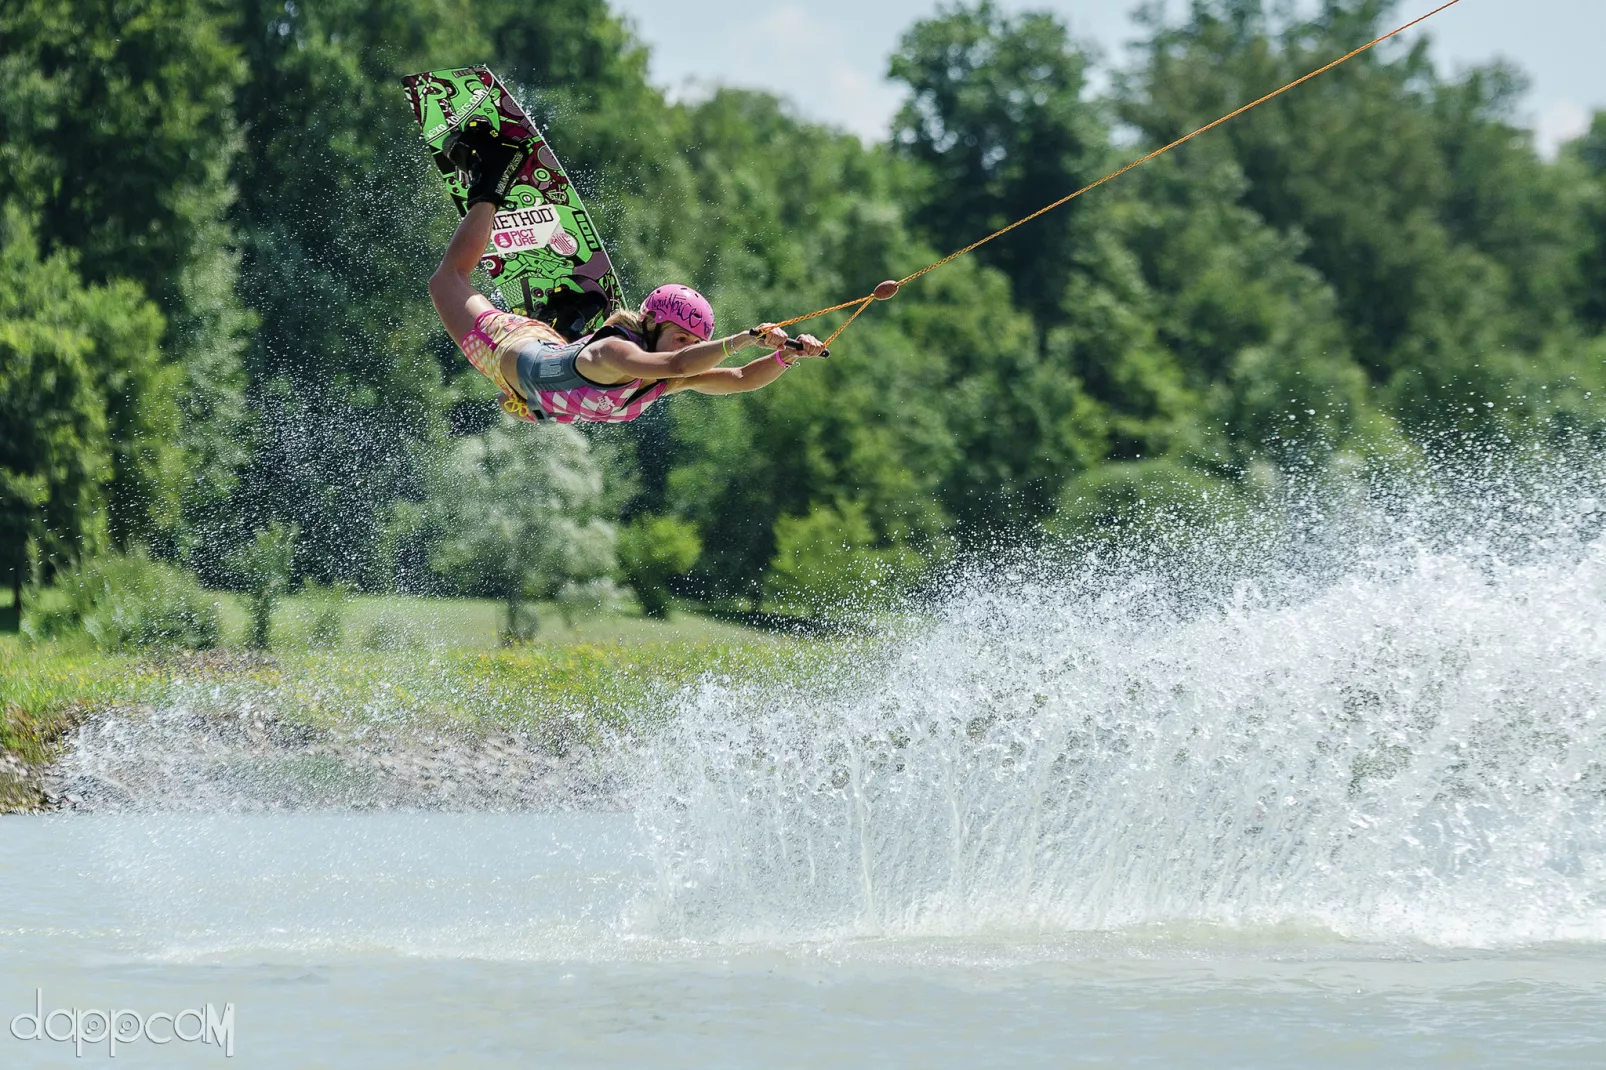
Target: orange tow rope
889,289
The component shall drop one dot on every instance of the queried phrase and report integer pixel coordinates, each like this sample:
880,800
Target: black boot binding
488,164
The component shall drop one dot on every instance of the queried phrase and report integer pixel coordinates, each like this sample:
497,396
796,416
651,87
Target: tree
264,564
518,515
654,551
996,113
116,135
56,458
1589,155
93,410
998,122
827,565
229,202
341,221
777,215
1416,200
1021,424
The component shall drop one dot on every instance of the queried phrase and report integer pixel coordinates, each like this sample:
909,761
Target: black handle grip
791,343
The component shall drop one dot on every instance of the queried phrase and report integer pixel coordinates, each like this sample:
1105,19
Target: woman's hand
767,334
786,349
811,346
805,345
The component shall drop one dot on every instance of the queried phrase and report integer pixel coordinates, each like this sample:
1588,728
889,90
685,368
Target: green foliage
1587,158
1415,199
117,135
44,683
90,80
388,633
92,411
126,602
827,564
339,226
1136,499
55,457
208,201
653,551
997,115
326,606
264,566
565,691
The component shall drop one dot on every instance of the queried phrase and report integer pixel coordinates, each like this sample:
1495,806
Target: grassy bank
44,688
438,661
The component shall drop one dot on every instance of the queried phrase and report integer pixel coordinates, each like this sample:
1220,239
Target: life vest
552,387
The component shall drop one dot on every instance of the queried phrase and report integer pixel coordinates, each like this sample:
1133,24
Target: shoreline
21,787
250,759
518,727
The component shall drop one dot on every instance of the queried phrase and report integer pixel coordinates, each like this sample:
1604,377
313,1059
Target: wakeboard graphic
545,257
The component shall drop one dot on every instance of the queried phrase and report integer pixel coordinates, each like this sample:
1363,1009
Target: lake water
467,940
1321,792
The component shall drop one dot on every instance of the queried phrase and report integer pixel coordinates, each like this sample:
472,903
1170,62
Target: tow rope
889,289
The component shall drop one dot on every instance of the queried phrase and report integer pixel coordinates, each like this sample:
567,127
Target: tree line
216,223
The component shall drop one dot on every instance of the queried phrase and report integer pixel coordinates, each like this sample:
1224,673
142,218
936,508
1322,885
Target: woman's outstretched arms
457,302
627,359
753,375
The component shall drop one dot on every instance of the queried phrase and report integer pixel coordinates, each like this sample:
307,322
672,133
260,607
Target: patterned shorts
493,331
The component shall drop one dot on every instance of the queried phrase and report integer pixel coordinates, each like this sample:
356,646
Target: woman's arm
456,300
754,375
630,361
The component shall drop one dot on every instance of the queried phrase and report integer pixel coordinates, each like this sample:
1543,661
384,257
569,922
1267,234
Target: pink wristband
778,360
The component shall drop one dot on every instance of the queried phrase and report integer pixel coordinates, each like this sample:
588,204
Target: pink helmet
681,305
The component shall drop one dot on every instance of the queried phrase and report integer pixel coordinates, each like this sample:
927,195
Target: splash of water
1384,719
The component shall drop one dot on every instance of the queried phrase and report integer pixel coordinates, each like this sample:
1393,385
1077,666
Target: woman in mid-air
612,375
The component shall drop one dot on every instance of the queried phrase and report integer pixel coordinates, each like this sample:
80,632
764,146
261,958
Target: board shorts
547,386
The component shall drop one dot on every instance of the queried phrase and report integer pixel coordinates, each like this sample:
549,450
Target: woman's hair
628,318
632,320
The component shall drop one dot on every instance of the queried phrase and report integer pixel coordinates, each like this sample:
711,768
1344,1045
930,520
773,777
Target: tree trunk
16,595
510,633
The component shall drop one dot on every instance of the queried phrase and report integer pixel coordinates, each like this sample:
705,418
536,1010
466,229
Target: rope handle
791,343
889,289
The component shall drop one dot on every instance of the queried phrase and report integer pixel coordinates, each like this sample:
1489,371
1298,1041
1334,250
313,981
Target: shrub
129,601
264,564
326,613
654,550
827,564
1134,499
389,632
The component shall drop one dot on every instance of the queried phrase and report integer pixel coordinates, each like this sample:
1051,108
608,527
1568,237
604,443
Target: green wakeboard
544,256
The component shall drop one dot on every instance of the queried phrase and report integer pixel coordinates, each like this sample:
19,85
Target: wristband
725,346
778,360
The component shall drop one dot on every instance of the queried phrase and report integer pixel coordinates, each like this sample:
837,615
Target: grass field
404,622
399,621
398,658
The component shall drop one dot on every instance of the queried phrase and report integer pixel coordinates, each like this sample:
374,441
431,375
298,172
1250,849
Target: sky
829,57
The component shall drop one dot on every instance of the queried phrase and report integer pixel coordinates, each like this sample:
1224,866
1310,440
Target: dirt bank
248,759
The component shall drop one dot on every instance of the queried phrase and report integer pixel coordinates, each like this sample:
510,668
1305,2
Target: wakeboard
545,257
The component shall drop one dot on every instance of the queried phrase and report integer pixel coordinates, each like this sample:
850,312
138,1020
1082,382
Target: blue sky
829,56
